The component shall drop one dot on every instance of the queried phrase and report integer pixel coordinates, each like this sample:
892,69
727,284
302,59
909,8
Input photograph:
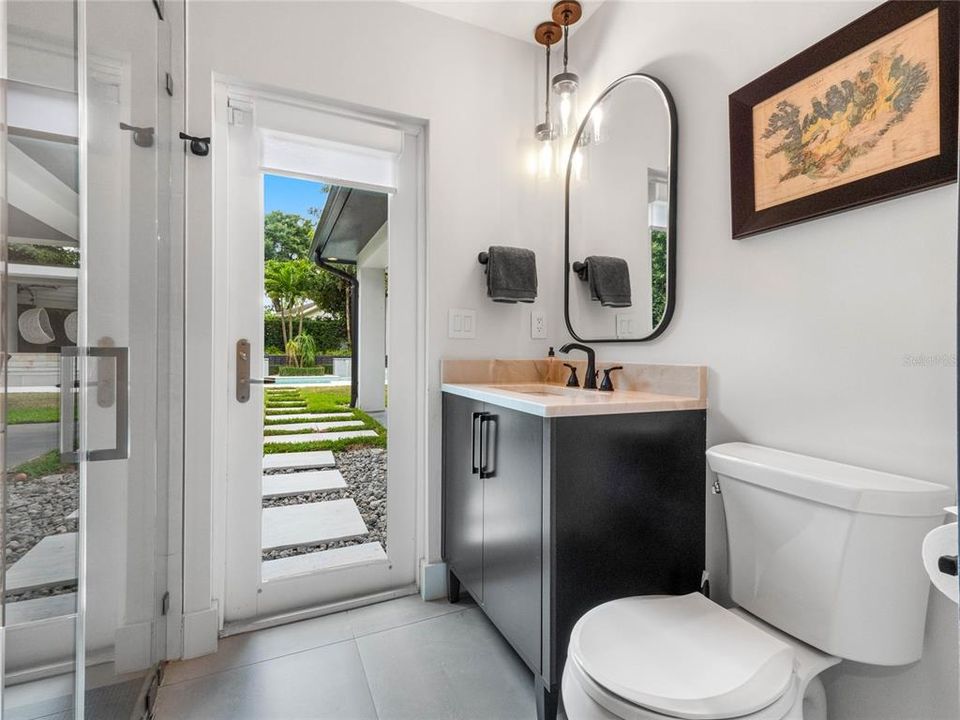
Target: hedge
300,371
326,333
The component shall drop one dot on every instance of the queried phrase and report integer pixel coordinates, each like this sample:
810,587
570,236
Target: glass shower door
88,293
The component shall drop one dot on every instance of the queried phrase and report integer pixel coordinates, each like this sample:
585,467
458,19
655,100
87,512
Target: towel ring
580,268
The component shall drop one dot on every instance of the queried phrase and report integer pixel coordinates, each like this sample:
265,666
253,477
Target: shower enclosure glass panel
87,174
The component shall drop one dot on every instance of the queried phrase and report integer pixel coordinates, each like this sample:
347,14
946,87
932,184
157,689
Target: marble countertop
547,400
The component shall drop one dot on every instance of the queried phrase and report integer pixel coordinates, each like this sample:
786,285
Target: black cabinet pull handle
474,465
198,146
485,470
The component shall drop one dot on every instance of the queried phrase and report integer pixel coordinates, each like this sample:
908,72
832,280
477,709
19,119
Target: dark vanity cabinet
545,518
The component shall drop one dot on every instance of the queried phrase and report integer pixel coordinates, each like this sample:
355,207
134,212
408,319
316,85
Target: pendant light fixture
547,34
565,84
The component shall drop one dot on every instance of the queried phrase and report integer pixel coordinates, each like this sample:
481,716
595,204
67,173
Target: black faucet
590,376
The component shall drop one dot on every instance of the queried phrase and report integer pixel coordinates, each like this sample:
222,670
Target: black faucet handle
573,380
607,384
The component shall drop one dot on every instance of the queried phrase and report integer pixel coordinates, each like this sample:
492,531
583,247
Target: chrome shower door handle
120,382
69,384
119,390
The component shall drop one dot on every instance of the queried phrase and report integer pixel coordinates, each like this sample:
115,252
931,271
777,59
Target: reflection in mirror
620,215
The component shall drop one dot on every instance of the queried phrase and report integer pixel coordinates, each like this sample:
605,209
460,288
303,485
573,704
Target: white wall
808,331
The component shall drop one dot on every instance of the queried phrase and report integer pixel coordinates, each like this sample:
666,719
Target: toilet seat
577,686
681,657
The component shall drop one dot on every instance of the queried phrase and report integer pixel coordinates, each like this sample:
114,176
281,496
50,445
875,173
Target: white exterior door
254,588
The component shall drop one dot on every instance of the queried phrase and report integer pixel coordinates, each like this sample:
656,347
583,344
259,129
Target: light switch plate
462,324
538,325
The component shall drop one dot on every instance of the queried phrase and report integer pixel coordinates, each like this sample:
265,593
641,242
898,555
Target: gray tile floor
400,659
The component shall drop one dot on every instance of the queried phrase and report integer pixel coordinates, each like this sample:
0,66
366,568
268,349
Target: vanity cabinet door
463,492
512,527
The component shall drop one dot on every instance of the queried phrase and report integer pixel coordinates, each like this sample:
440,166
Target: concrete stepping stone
43,608
314,426
49,563
361,554
310,524
307,417
299,483
319,437
281,404
299,460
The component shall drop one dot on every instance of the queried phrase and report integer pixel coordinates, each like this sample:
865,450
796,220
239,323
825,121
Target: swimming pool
310,380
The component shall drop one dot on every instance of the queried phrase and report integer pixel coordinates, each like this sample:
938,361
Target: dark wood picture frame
919,175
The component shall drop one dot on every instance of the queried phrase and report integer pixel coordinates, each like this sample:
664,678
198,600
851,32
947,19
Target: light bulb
566,112
565,86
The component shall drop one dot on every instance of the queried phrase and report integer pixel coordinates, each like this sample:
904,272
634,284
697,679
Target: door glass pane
39,298
126,50
84,419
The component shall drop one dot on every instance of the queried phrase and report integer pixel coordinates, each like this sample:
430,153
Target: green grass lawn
48,464
25,408
327,400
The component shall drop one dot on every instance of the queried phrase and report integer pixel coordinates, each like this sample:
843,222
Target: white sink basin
550,391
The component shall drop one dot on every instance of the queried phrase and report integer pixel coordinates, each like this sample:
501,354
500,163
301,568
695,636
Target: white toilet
825,566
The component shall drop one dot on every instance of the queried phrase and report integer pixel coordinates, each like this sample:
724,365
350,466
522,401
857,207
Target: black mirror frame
671,216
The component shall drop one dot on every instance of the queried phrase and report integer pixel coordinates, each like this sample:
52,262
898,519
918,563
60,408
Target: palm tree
287,283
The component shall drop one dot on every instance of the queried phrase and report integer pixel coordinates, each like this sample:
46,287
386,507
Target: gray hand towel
511,274
609,279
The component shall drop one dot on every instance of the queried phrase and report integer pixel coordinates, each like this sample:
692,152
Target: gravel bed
365,471
36,507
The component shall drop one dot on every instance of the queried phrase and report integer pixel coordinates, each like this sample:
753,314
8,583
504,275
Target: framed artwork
867,114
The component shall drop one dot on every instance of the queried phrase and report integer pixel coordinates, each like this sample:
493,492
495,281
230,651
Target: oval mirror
621,209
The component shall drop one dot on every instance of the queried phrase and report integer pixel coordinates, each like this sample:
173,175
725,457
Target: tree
331,294
286,236
286,283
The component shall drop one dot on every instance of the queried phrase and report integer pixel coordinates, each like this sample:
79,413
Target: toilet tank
829,553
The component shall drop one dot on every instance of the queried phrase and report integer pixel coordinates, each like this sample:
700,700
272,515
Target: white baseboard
200,631
433,581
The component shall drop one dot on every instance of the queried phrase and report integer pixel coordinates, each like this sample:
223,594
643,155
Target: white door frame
408,440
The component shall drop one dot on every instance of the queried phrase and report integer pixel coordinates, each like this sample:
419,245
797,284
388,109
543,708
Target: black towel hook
483,258
580,268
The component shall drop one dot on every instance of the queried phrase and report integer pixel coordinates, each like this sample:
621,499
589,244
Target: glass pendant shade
546,151
565,86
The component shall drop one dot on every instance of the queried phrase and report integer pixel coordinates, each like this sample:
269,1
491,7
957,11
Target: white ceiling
513,18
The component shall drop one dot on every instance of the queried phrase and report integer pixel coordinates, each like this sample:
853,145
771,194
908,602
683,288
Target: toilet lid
682,656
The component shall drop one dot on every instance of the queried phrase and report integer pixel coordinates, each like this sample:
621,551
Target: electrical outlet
462,324
626,325
538,325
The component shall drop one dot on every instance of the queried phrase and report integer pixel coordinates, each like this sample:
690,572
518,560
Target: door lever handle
262,381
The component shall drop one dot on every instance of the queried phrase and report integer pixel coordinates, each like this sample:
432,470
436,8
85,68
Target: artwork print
875,110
